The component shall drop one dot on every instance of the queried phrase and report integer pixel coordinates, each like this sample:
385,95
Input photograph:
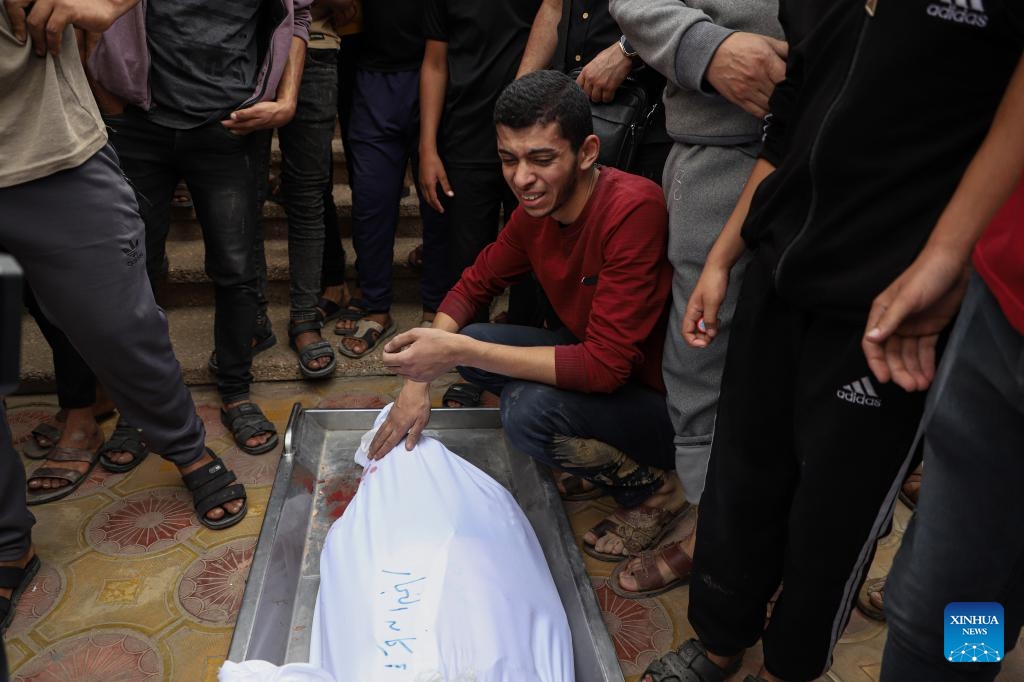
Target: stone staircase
187,295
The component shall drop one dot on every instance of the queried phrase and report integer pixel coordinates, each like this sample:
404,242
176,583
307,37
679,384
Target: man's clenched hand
745,69
45,20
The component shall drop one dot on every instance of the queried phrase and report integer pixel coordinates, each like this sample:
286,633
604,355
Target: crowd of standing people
742,325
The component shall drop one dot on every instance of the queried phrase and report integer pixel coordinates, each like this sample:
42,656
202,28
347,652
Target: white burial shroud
432,573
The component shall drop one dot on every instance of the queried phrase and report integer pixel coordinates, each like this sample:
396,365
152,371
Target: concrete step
185,226
192,335
186,260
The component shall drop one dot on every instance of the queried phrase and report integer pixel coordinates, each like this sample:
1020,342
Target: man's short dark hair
541,97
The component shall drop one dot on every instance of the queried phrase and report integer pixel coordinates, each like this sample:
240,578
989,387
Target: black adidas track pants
807,445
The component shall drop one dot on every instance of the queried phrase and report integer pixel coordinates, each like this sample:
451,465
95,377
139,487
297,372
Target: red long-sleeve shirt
606,275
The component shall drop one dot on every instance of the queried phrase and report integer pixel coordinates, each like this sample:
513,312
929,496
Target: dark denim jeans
305,172
621,440
964,543
220,168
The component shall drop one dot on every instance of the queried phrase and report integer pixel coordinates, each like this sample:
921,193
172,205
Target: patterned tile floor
133,588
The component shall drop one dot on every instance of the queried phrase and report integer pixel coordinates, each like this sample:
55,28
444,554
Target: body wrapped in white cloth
432,573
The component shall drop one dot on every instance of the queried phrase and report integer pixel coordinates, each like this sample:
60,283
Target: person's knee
527,409
481,331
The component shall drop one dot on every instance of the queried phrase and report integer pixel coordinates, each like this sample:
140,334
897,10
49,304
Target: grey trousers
79,238
701,187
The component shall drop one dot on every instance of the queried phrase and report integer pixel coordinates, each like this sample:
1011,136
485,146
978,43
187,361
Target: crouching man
584,395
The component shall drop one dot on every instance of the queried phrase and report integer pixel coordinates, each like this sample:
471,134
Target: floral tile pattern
132,588
144,522
212,588
107,656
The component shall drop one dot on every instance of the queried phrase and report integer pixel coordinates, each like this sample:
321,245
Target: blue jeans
305,173
964,543
621,440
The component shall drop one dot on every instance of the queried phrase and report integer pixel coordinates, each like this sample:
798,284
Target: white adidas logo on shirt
970,12
860,392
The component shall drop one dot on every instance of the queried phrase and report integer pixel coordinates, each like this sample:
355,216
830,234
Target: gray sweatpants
79,238
701,187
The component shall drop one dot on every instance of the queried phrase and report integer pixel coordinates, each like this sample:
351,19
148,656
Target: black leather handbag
620,124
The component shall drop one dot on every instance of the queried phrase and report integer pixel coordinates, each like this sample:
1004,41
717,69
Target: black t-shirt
393,31
486,39
204,59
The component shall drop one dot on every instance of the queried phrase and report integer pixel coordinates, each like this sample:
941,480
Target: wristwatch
626,48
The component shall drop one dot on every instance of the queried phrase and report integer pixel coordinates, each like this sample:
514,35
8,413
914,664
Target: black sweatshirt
870,132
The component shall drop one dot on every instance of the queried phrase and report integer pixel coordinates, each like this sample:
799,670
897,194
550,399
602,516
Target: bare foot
359,346
217,513
669,496
81,432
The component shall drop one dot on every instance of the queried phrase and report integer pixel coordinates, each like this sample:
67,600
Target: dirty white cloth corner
433,574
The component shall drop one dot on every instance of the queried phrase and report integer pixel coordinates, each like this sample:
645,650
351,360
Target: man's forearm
535,363
540,48
433,83
730,245
291,79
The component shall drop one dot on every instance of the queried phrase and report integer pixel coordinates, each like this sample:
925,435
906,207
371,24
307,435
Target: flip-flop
74,478
678,560
639,528
371,333
18,579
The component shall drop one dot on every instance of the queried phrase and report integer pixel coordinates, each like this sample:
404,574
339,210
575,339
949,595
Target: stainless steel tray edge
276,581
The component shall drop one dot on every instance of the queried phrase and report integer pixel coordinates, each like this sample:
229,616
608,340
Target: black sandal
462,395
690,663
43,431
214,486
17,579
313,351
263,339
125,438
246,421
355,310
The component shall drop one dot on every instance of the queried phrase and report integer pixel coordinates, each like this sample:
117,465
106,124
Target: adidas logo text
860,392
959,12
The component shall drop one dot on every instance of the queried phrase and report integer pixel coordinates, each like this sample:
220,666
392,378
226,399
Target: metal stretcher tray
316,479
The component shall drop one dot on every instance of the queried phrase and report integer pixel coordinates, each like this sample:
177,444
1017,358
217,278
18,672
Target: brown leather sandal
649,578
638,527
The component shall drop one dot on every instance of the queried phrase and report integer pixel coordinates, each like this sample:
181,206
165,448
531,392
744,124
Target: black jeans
305,172
220,169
